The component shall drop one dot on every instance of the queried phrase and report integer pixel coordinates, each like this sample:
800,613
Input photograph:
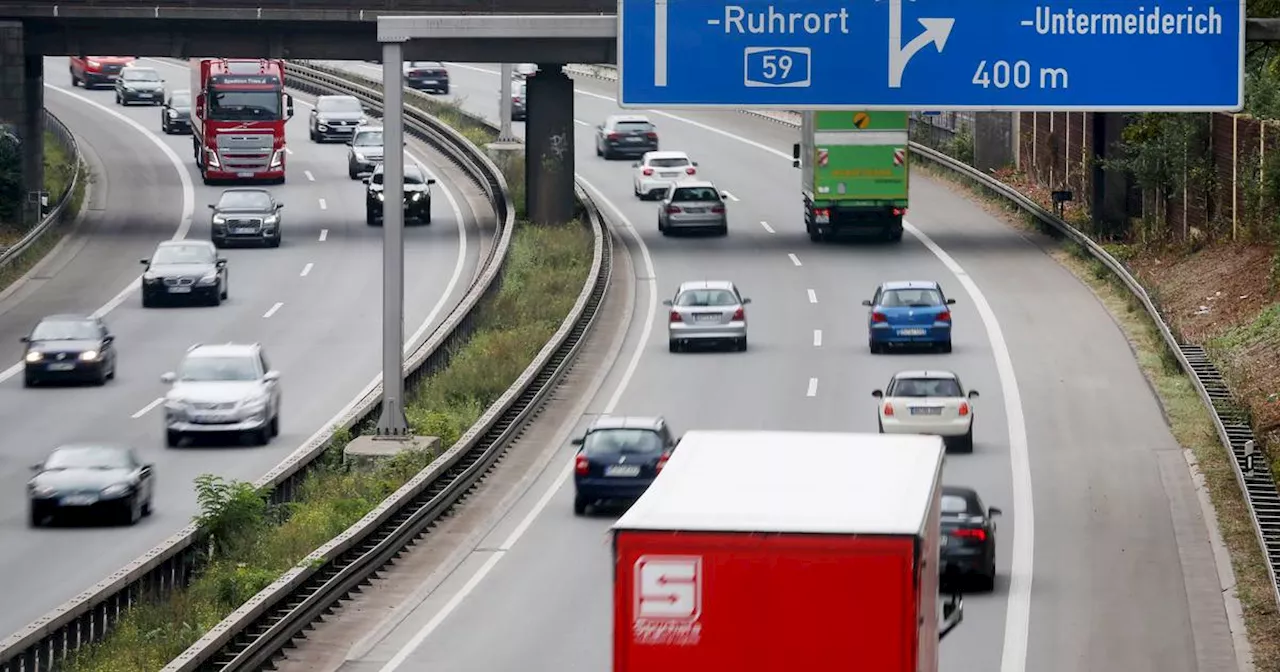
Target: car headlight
35,356
172,114
271,220
417,196
175,404
323,127
117,490
381,196
254,403
360,157
94,64
209,278
150,277
219,219
89,355
42,491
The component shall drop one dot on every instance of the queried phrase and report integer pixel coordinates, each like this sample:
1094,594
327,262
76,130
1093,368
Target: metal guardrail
86,618
60,211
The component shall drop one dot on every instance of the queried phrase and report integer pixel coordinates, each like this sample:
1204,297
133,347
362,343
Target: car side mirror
272,376
745,301
866,302
212,206
168,378
577,441
994,511
973,394
144,262
878,394
146,469
288,106
36,467
365,180
108,339
666,302
951,302
599,127
694,162
635,165
724,194
431,181
279,206
24,339
221,263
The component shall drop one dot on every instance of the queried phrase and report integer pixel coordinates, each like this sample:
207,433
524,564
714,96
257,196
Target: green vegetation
253,543
59,168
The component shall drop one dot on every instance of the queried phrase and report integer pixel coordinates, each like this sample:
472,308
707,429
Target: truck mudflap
827,222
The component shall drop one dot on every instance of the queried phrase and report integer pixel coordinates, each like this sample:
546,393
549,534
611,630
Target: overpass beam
549,144
22,109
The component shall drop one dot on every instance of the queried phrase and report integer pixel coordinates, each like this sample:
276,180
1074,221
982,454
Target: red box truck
238,117
760,551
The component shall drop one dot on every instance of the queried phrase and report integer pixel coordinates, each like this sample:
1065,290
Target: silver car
364,152
693,204
220,390
655,172
707,311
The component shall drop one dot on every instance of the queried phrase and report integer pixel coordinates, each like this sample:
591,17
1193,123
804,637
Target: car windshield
140,75
913,298
625,441
669,163
338,105
183,254
206,369
368,139
695,194
256,200
411,176
707,297
954,504
88,457
926,387
633,127
181,101
424,65
256,105
65,330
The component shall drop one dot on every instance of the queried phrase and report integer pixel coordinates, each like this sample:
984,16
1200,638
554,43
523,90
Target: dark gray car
68,348
624,135
246,215
90,477
175,117
188,270
139,85
364,152
335,117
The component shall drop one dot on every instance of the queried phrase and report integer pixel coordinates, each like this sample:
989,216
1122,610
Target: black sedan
139,85
175,116
91,478
69,348
245,215
429,76
618,458
416,198
968,537
185,270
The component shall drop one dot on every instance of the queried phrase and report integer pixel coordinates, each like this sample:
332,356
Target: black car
139,85
69,348
175,117
968,537
519,101
417,195
91,478
429,76
186,270
624,135
246,215
336,117
618,458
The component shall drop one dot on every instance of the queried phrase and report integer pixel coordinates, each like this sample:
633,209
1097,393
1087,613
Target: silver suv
222,389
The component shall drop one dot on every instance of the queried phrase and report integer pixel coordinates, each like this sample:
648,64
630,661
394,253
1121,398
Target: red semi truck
237,124
758,551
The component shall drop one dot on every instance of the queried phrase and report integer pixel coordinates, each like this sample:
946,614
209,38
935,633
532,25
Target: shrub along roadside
253,544
58,169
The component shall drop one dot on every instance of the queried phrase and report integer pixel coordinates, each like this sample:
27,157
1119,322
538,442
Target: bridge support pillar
549,144
22,109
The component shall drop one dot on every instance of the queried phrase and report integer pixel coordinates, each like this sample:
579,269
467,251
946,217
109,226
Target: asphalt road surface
314,304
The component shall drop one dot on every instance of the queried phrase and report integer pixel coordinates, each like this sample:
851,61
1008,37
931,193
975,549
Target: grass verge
59,167
253,544
1190,423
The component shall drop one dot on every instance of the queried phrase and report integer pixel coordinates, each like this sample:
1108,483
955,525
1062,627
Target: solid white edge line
306,270
817,338
324,233
813,388
767,227
147,409
794,259
273,309
731,197
813,296
324,205
184,225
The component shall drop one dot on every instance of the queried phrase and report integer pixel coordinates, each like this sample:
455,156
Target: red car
94,71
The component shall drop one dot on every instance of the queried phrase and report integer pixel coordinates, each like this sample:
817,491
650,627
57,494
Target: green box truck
855,172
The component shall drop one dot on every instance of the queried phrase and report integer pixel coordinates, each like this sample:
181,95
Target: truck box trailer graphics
759,551
237,125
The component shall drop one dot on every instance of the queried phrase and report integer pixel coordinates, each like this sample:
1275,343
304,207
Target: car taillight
651,135
718,209
515,99
944,316
647,171
580,464
878,317
964,408
662,462
675,317
739,314
888,408
615,136
690,170
976,534
899,211
672,209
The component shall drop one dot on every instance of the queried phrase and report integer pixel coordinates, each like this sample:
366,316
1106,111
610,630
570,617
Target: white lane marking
272,310
581,122
324,234
1018,614
306,270
324,205
148,408
813,296
817,338
794,259
184,225
469,587
767,227
309,175
288,151
730,196
813,388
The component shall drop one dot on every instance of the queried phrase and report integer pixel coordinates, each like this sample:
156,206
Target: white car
928,402
220,390
655,172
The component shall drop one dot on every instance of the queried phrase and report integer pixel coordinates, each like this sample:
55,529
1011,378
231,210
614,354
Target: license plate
78,500
668,174
211,417
62,366
713,317
695,210
622,470
911,332
244,229
179,290
244,174
144,95
633,139
925,410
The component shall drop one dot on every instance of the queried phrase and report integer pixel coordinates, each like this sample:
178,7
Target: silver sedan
693,204
707,311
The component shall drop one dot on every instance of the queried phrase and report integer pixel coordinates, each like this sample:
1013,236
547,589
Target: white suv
222,389
655,172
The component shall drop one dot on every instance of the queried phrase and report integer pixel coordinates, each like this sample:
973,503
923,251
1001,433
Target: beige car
928,402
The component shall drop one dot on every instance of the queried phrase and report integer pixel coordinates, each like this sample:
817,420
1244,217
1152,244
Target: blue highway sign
1098,55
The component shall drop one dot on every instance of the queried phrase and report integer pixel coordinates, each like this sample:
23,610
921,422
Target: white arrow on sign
660,42
936,31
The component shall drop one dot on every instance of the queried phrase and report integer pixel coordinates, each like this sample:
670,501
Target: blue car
618,458
909,313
